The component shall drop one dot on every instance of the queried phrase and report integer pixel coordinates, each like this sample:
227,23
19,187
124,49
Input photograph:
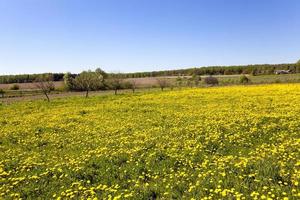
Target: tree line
261,69
29,78
99,80
85,81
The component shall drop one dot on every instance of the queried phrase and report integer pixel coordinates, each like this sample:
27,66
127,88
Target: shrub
254,72
211,80
179,81
15,87
246,71
60,89
189,82
197,80
227,72
2,92
244,79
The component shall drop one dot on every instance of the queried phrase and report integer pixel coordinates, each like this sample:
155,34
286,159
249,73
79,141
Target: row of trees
193,81
29,78
213,70
98,80
43,82
85,81
219,70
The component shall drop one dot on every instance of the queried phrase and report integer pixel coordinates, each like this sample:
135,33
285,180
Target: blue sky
145,35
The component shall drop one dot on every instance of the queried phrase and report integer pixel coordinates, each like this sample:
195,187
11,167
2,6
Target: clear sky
145,35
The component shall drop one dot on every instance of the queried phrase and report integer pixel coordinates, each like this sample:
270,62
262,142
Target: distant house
282,71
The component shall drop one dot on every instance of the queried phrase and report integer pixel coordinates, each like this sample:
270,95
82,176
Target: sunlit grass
239,142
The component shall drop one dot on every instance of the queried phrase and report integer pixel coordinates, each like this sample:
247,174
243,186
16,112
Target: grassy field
262,79
239,142
28,86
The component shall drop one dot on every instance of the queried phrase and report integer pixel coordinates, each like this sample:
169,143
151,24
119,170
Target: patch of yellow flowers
240,142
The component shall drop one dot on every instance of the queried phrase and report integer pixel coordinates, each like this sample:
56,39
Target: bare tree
162,82
88,81
133,85
45,84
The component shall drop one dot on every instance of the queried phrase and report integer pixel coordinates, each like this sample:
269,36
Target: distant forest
259,69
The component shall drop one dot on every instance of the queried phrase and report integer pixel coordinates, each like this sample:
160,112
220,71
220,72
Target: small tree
211,80
102,73
88,81
116,84
244,79
162,82
68,81
131,85
197,80
45,84
15,87
254,72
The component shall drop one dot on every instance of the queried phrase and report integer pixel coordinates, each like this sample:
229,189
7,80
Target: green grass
220,143
263,79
